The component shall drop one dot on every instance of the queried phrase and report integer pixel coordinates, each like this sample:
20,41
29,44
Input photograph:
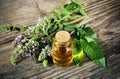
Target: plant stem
67,15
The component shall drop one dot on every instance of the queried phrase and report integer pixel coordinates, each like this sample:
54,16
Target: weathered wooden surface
104,19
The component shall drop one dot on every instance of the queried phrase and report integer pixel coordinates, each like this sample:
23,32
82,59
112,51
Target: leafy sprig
12,27
88,42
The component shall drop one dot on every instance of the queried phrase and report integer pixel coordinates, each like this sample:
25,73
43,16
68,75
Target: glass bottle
62,49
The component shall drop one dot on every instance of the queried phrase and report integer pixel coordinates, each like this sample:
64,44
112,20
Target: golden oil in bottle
62,49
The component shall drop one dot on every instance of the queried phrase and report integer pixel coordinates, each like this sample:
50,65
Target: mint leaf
77,54
64,11
22,28
55,12
45,63
70,6
82,11
89,39
93,51
13,58
89,33
41,57
100,62
79,6
69,27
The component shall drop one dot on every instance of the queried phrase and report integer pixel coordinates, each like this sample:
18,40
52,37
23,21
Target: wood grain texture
104,19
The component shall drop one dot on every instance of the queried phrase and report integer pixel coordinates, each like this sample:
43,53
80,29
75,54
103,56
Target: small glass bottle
62,49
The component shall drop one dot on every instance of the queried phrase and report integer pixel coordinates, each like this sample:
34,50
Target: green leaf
80,32
47,29
60,26
64,11
77,54
41,57
13,58
22,28
89,34
45,63
6,26
100,62
55,27
69,27
37,31
82,11
93,51
76,43
80,6
55,12
70,6
89,39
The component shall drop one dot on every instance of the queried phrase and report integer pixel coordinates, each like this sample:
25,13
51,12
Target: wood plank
104,19
9,37
25,12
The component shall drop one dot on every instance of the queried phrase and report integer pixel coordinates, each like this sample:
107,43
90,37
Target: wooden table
104,19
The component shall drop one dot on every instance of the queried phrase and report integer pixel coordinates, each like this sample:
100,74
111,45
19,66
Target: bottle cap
62,38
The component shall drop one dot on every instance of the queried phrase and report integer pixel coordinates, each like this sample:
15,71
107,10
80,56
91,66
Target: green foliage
6,26
14,57
22,28
41,56
77,54
79,6
12,27
69,27
100,62
45,63
85,41
91,47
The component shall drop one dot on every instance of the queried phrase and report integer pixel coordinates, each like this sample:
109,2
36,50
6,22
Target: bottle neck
62,44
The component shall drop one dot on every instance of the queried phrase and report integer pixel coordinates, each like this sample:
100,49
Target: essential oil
62,49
